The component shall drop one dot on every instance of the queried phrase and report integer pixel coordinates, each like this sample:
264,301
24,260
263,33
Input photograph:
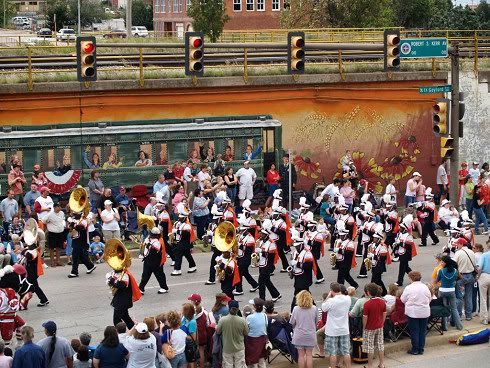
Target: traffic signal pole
454,161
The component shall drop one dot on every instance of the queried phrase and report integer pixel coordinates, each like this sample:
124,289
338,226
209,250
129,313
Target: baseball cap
475,163
256,301
141,327
195,298
233,304
107,202
50,326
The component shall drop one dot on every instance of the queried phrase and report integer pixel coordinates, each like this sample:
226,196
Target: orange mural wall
387,125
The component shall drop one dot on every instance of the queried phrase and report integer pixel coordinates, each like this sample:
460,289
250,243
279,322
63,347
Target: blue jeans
480,219
449,299
476,297
178,361
231,193
68,249
469,207
418,329
271,188
467,281
329,220
408,200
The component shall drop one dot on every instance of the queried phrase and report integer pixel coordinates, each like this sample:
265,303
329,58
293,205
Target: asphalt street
83,304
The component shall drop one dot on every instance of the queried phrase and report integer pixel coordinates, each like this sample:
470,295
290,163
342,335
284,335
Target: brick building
169,16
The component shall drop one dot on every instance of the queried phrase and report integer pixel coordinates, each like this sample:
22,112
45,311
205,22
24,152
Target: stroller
280,334
131,230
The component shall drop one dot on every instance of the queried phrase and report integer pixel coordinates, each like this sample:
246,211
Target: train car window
194,152
229,153
207,151
31,158
111,158
3,164
177,151
268,140
48,160
145,158
162,158
92,157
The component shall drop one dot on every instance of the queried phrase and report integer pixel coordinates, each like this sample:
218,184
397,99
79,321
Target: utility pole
129,14
454,161
79,28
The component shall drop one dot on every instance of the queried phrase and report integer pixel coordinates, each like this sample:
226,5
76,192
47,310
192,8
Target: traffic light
296,52
194,54
446,147
86,59
440,117
391,50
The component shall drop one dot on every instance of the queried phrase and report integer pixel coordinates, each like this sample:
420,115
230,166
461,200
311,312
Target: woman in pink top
348,194
178,197
416,298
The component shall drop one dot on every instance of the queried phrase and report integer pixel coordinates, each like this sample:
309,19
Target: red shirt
272,177
374,309
462,173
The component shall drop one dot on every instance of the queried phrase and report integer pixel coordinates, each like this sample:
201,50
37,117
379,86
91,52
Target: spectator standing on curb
96,189
246,178
255,350
59,353
416,298
442,180
373,320
233,330
337,338
484,282
465,258
447,277
8,208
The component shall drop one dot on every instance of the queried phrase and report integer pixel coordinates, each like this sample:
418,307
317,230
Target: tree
209,17
414,13
142,14
91,11
370,13
9,12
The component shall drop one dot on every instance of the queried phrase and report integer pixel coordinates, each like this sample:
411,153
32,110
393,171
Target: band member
426,213
228,272
165,226
248,220
34,266
455,238
154,257
389,217
302,267
184,238
267,251
304,215
359,215
405,248
228,211
126,292
209,237
379,257
344,255
367,232
246,247
79,233
276,198
281,229
315,241
466,229
10,321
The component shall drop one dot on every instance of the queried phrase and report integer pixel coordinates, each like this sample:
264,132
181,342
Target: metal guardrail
150,59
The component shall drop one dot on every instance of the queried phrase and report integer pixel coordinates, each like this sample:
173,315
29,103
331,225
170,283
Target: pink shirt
177,199
416,298
347,192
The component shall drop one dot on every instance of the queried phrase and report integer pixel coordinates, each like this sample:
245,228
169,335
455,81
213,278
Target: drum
358,356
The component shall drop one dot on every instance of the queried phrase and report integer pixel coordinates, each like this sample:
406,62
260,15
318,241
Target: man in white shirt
203,175
337,338
474,172
465,258
442,180
332,190
188,177
391,190
55,223
246,178
43,204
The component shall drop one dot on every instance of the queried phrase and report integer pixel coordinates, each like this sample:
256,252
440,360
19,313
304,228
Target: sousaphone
79,201
116,255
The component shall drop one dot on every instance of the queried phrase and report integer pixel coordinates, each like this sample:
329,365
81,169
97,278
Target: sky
466,2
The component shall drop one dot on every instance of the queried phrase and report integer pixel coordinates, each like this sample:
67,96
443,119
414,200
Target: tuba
225,238
79,202
142,220
117,256
333,259
31,234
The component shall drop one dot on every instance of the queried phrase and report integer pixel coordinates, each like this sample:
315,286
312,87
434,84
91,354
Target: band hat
278,194
107,202
141,328
428,192
302,202
155,231
246,206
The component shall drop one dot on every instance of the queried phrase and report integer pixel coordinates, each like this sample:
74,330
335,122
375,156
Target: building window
157,6
181,5
189,3
237,5
276,5
260,5
176,6
250,5
163,6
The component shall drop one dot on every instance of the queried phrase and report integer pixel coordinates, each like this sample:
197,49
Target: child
373,319
97,249
351,291
320,332
82,359
390,298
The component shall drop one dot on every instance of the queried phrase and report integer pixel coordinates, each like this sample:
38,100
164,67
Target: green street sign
435,89
412,48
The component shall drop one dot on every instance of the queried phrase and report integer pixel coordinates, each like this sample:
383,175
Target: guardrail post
20,41
29,69
245,65
475,56
433,67
142,72
341,66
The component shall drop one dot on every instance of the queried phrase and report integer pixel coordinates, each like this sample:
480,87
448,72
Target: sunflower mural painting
305,167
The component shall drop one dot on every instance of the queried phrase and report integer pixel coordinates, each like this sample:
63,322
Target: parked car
139,31
21,21
46,32
66,34
116,33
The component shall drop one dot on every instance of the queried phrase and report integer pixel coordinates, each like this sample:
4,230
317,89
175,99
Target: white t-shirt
410,193
246,177
45,203
202,176
475,174
390,301
391,190
338,315
91,226
6,361
109,215
332,190
55,222
177,340
441,175
141,352
187,174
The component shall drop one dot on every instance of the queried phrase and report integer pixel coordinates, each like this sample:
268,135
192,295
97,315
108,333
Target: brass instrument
368,263
333,259
255,260
79,202
142,220
225,239
117,257
290,272
31,232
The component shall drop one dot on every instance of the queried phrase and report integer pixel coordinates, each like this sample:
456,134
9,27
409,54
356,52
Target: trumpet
333,259
290,272
255,259
368,263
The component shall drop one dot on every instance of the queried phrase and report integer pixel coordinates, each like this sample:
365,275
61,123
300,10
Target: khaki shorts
372,340
245,192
